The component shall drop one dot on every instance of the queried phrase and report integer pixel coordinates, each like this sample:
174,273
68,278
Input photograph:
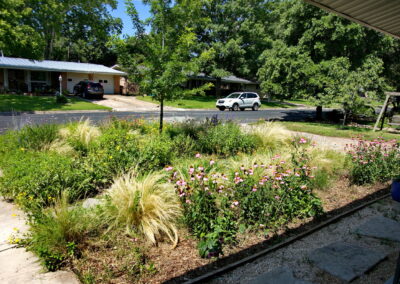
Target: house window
105,81
100,81
69,80
38,76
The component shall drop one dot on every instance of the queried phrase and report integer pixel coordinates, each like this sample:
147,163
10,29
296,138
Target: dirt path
128,103
16,264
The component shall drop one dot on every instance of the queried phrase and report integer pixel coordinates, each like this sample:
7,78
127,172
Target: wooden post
383,110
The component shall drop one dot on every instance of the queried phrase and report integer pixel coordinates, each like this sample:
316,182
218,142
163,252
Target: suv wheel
235,107
242,108
221,108
255,107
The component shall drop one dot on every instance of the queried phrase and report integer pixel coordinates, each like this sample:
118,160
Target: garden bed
176,204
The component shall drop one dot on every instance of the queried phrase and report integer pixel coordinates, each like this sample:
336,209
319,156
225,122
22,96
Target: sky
120,12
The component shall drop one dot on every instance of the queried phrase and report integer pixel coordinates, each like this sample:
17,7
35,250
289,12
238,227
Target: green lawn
28,103
201,102
336,130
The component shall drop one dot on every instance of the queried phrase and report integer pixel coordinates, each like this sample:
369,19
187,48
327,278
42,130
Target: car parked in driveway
88,89
240,100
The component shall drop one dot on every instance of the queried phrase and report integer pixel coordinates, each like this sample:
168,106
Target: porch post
5,79
28,80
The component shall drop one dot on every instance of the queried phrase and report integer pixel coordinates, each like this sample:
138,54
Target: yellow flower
110,157
14,215
118,148
22,149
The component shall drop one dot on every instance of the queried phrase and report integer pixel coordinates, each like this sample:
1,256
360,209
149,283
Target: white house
29,75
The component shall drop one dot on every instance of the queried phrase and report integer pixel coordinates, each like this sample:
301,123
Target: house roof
57,66
381,15
227,79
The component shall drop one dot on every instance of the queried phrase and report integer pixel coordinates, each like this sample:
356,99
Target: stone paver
345,261
18,265
380,227
281,275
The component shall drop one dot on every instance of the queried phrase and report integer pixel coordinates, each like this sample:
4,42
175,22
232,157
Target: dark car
88,89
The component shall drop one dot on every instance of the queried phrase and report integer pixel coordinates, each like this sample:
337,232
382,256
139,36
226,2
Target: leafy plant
37,137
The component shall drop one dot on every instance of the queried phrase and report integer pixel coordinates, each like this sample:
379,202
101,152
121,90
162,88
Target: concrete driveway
127,103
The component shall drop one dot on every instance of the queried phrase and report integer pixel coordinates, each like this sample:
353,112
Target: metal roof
381,15
57,66
227,79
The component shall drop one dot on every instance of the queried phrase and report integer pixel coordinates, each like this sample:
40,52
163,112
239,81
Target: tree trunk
218,87
161,114
318,115
345,117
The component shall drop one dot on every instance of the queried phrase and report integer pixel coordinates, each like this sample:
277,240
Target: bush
273,136
143,205
373,161
227,139
36,137
61,99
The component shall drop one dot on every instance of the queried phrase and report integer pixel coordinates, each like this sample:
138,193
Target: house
228,84
26,75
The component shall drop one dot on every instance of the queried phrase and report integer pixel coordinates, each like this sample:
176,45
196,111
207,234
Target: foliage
36,137
227,139
155,153
58,30
143,205
54,234
61,99
373,161
80,135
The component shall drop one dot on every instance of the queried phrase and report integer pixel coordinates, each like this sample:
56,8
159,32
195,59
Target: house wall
1,79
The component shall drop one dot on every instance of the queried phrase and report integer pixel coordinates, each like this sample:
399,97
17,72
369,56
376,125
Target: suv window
243,96
251,95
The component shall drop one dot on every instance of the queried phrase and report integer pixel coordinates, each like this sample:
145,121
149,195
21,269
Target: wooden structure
382,114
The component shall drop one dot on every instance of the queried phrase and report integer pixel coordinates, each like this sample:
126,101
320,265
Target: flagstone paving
345,261
380,227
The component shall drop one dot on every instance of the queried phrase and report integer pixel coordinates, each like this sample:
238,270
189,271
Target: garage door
75,78
107,81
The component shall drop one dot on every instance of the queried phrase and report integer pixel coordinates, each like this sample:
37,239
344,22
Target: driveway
127,103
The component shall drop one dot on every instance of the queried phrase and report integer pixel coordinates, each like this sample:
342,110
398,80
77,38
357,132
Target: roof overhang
60,70
381,15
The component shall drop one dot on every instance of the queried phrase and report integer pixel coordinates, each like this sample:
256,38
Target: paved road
17,121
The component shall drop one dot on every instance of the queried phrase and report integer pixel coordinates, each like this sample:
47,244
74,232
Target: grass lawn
27,103
200,102
336,130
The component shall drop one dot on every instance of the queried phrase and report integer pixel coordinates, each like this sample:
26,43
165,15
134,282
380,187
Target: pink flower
302,141
200,168
169,168
191,170
277,197
303,187
198,155
188,201
212,162
254,189
297,174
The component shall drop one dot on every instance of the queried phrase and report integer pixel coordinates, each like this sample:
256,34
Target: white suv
240,100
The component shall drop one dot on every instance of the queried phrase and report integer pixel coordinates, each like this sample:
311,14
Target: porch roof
381,15
56,66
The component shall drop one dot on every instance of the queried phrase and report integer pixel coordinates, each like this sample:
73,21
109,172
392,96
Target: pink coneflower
200,168
212,162
302,141
191,170
169,168
303,187
254,189
198,155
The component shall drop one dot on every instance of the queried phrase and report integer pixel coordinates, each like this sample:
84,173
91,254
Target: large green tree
17,36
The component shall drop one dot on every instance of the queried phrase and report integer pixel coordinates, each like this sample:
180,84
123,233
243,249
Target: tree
161,61
17,37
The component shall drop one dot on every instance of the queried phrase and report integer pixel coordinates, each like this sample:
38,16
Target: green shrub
81,136
36,137
155,152
61,99
35,179
183,146
374,161
227,139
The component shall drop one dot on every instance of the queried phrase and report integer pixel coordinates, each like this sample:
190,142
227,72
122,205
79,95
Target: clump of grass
80,135
144,205
38,136
55,232
61,147
272,135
